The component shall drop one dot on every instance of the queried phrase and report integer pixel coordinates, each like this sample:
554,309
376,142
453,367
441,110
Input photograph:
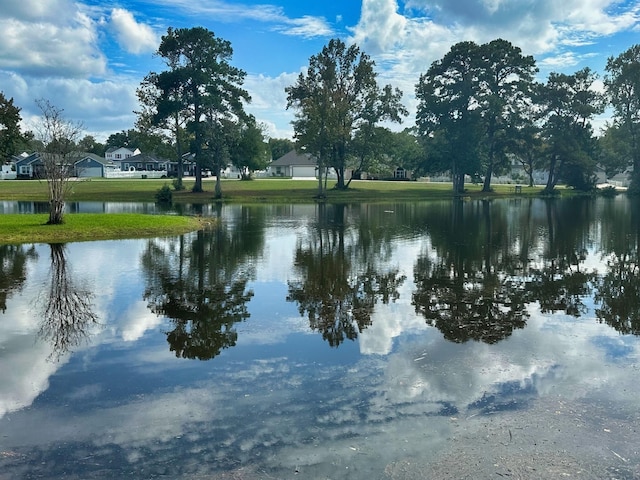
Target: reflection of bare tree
67,311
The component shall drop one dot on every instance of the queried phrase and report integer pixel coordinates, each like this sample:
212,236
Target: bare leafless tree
59,137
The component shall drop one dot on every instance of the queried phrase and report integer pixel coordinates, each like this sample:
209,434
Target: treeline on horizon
480,110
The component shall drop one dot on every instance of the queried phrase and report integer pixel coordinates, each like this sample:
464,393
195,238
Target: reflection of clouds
24,370
136,320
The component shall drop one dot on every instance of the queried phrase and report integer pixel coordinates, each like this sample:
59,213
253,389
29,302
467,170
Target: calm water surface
401,341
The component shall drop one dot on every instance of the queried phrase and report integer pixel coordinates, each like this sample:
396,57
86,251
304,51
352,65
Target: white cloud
51,49
306,27
132,36
269,102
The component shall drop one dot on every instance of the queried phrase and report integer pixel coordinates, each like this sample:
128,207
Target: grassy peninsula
32,228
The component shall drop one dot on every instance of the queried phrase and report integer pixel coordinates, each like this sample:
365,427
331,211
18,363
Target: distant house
90,165
29,166
120,153
294,164
142,162
81,164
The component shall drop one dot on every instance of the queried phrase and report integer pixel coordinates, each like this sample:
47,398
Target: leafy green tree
250,152
615,150
336,97
527,147
505,80
447,115
200,87
568,103
622,83
149,142
280,147
11,137
471,104
89,144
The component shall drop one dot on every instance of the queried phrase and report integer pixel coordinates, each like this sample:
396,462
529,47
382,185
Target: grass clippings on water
77,227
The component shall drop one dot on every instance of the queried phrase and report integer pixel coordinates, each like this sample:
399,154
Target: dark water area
447,339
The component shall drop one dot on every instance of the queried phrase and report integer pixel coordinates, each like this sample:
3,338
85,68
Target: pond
446,339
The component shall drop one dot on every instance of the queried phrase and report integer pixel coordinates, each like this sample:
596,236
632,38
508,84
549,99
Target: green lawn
255,191
32,228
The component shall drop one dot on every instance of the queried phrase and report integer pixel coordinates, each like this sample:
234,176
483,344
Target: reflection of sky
281,399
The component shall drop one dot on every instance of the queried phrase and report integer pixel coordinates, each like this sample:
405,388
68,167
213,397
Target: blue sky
88,56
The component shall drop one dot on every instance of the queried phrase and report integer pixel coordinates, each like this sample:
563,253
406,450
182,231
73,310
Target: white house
118,154
294,164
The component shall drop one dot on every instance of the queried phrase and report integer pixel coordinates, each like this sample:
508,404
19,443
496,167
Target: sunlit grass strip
32,228
259,190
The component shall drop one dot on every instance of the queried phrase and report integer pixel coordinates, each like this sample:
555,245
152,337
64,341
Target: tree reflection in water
67,308
468,287
339,281
13,270
200,282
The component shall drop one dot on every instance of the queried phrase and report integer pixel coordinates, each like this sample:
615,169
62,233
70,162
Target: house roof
114,149
141,157
294,158
96,158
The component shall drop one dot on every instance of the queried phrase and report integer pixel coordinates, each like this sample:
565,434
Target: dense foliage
480,112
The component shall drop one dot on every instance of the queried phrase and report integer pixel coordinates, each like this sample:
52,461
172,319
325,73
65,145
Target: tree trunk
551,180
56,212
197,186
218,189
320,172
486,186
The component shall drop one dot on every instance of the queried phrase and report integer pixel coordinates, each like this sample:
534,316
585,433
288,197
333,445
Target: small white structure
8,172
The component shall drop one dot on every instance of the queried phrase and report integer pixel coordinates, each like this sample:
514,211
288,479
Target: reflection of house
293,164
120,153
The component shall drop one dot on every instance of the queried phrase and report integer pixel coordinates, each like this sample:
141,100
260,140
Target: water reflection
338,279
13,270
482,346
470,289
200,283
66,307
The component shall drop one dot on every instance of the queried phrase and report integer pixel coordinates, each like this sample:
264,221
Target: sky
87,57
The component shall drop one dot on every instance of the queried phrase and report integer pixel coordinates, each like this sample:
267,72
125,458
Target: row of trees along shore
480,108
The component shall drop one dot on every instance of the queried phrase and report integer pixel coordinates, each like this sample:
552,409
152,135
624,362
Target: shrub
164,195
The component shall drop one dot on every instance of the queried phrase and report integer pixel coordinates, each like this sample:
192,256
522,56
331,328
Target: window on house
118,156
24,169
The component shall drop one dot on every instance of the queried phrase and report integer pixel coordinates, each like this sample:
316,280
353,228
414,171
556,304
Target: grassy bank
255,191
32,228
